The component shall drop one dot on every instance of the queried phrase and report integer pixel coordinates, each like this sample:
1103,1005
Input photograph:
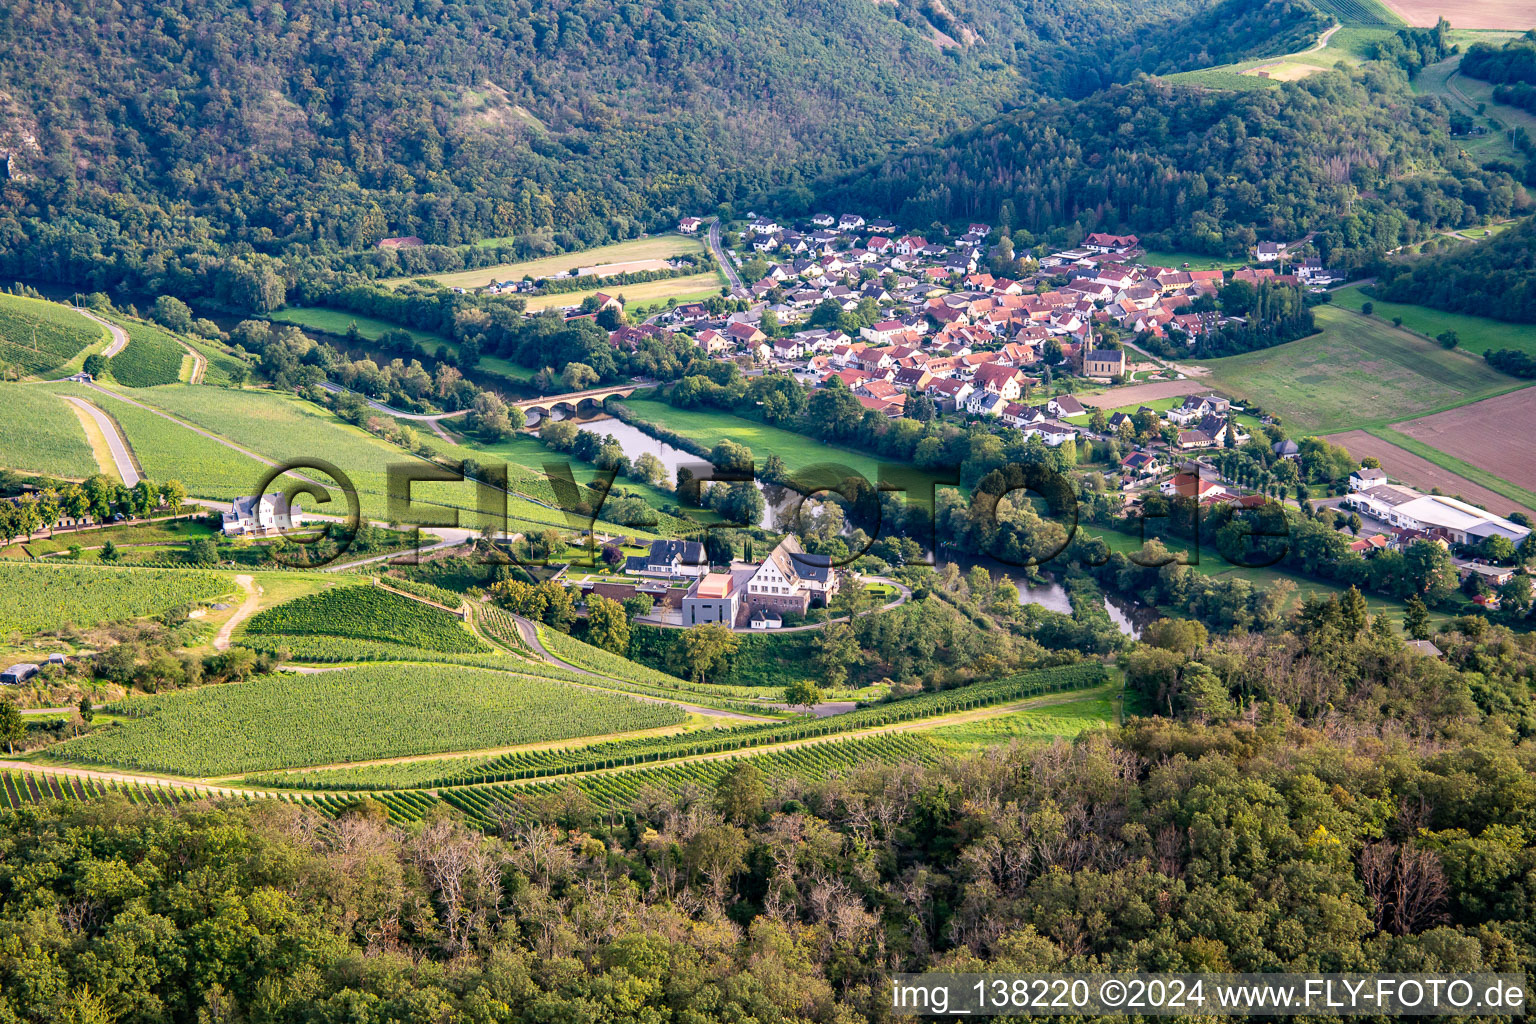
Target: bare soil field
1508,14
1114,398
1420,473
1494,434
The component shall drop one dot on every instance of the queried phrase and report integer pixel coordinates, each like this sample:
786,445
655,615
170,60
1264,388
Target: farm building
18,673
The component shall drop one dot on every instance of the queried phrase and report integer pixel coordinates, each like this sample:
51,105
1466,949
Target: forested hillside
153,131
1495,278
1355,157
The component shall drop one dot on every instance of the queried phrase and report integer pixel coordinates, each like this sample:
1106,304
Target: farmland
153,356
36,597
644,295
656,247
1359,371
1495,435
1425,468
378,711
1472,14
37,337
370,614
1474,333
40,433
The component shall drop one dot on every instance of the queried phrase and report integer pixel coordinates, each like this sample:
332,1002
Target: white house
271,512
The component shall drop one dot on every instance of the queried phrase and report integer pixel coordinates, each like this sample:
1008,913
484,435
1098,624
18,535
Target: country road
119,336
246,610
122,458
1322,40
737,289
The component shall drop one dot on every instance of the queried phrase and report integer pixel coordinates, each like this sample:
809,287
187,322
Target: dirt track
1494,434
1401,464
1135,394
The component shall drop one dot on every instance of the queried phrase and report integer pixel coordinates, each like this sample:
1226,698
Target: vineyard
152,357
426,591
378,711
18,789
40,433
1363,13
361,613
37,336
539,764
167,451
37,597
640,678
499,625
489,806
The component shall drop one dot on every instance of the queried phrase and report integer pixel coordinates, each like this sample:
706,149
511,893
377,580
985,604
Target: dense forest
1494,278
1316,798
1356,157
180,146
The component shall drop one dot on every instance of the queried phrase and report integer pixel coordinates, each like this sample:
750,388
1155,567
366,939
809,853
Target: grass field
285,429
335,321
34,597
1196,261
153,356
40,433
709,427
1358,372
39,337
1350,45
379,711
1476,333
1091,710
1437,80
650,248
641,296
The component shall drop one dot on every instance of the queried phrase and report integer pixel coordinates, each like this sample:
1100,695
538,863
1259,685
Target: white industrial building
1456,521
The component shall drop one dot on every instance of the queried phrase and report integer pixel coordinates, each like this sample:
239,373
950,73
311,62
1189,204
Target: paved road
122,458
713,237
1322,40
119,336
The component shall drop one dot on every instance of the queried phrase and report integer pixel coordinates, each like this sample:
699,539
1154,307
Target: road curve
116,444
737,288
119,336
